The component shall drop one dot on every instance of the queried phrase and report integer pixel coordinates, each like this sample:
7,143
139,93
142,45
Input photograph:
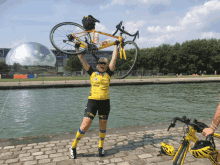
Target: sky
158,21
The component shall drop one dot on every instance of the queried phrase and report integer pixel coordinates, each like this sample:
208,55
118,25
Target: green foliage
16,67
4,67
189,57
73,64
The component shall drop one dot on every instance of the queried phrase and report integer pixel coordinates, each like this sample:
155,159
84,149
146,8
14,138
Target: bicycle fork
181,153
121,48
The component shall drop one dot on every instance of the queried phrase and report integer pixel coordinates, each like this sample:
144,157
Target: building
62,58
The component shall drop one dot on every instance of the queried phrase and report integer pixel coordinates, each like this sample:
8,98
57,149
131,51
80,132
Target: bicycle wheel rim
60,41
124,67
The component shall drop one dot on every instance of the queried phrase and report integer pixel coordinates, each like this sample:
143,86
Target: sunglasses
102,63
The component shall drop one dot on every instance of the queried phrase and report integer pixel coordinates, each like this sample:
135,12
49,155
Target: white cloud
194,19
132,2
132,27
100,27
198,13
156,1
207,35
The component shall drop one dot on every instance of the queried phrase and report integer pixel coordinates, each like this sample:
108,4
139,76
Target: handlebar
123,31
198,126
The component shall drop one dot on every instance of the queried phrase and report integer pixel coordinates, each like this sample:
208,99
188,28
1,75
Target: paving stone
53,142
21,145
46,149
11,160
8,147
50,152
66,162
6,153
55,155
37,153
39,146
30,162
16,163
68,140
58,147
102,162
24,155
165,162
27,148
42,157
145,156
123,163
62,150
82,151
33,144
113,160
61,144
20,152
51,163
33,150
43,143
92,159
131,157
60,158
89,163
26,158
43,161
50,145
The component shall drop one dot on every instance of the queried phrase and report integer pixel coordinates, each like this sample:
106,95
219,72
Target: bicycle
73,33
195,127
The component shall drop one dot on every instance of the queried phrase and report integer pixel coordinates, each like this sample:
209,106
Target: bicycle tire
77,27
119,61
182,150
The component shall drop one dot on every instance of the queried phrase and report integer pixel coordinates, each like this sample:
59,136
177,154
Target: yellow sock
102,134
79,135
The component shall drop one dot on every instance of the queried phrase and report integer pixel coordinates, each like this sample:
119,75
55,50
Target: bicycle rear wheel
124,67
62,40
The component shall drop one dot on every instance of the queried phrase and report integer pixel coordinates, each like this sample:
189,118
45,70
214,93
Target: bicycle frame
183,149
83,45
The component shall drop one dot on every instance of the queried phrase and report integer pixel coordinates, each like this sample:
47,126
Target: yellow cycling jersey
99,84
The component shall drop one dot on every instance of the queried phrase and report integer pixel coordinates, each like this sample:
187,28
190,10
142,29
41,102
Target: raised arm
114,58
83,61
215,123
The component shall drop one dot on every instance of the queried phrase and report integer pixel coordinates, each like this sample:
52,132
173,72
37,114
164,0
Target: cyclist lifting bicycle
66,35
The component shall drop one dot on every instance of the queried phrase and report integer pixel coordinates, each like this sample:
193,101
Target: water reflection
48,111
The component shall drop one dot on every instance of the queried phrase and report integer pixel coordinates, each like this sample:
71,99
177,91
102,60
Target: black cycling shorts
102,106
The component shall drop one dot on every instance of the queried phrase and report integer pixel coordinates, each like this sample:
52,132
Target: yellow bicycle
195,126
65,35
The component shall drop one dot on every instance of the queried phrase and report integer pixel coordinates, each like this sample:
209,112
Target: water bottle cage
92,48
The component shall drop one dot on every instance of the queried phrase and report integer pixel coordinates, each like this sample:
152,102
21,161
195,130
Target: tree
73,64
16,67
4,67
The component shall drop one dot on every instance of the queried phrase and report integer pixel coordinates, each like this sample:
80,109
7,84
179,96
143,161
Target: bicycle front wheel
61,37
124,66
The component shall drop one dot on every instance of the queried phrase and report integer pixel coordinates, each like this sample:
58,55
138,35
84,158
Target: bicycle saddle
95,20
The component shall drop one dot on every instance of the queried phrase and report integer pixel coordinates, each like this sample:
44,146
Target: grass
87,78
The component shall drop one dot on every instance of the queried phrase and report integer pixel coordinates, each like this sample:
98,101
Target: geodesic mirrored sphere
31,54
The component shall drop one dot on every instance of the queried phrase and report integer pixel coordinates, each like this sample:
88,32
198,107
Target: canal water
32,112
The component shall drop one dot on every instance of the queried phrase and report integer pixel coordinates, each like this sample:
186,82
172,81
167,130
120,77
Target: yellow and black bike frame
84,45
184,147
